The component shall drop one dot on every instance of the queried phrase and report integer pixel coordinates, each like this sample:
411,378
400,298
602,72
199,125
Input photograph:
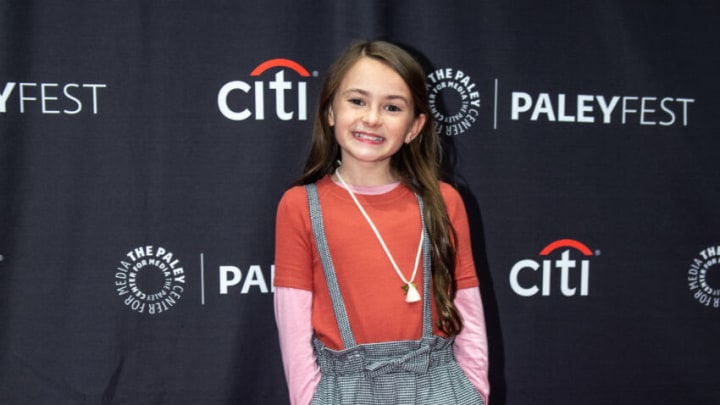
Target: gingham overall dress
401,372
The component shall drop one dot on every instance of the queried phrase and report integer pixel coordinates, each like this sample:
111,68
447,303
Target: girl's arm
471,349
293,315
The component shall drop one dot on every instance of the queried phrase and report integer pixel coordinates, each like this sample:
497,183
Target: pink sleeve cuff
471,349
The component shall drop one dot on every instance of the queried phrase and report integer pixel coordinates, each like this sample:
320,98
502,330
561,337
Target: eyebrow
365,93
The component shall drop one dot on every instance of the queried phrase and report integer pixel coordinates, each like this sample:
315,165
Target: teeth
368,137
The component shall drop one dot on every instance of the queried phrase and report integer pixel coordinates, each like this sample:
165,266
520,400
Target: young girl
376,297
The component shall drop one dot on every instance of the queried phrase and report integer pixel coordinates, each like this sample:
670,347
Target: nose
371,117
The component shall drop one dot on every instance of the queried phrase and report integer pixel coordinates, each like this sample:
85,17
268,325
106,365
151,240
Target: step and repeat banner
144,147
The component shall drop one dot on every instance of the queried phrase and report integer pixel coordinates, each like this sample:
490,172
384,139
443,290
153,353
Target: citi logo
239,100
570,277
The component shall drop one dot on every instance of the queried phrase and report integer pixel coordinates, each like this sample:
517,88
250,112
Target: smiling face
373,114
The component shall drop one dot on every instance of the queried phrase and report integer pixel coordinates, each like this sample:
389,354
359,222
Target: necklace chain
380,239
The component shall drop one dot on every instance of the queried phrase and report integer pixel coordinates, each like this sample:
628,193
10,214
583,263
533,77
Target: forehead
375,77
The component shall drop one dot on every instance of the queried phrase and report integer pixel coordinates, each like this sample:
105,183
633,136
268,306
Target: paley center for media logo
239,100
703,283
454,100
151,279
563,267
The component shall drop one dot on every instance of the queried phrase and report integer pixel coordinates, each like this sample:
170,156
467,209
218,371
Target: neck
367,176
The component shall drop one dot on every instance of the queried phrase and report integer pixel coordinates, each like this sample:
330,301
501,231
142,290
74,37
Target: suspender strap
427,276
319,232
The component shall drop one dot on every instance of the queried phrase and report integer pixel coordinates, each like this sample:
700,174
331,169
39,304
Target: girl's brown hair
417,164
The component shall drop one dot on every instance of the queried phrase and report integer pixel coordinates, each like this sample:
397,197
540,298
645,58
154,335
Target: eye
356,101
393,108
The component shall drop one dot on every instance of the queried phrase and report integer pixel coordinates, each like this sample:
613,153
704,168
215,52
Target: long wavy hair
417,164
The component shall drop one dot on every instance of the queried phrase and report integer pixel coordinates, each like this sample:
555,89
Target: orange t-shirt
371,289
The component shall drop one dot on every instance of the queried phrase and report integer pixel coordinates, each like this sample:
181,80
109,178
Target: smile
371,138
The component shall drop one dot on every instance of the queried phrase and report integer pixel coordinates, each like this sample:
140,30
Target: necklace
411,292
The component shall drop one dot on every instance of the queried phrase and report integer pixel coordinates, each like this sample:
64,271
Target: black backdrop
142,158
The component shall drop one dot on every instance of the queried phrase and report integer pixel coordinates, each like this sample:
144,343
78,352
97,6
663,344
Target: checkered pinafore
401,372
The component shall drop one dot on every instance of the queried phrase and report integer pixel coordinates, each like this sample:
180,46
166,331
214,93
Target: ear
331,117
415,128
